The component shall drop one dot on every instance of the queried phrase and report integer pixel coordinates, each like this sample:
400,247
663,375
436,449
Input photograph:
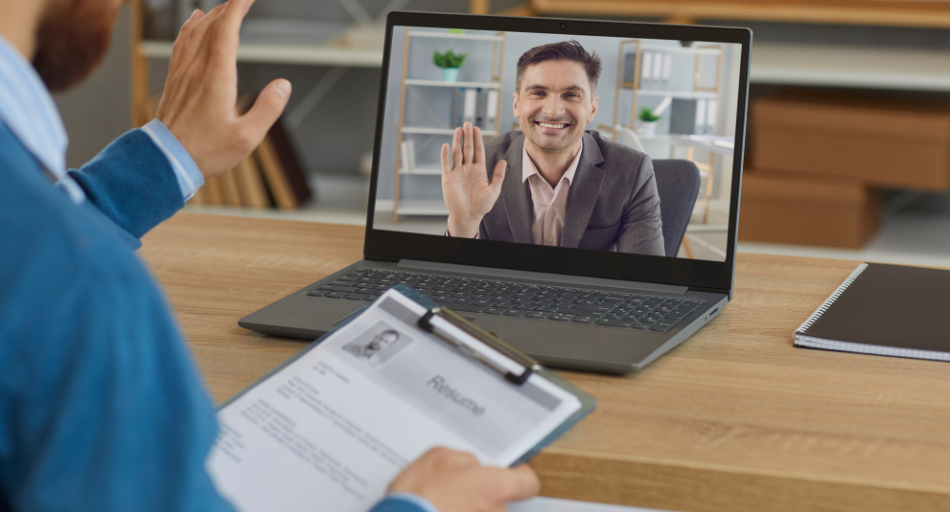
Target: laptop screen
587,148
619,145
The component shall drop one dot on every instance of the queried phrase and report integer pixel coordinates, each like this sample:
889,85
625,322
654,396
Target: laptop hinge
540,277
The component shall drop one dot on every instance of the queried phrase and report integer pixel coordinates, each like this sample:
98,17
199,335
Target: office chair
677,183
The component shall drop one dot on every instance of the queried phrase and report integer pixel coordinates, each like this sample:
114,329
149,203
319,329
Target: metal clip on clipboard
528,364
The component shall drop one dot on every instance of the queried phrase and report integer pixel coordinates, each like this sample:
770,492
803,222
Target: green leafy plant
449,59
647,116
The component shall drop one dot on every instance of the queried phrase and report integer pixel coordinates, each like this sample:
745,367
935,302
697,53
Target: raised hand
198,103
455,482
465,187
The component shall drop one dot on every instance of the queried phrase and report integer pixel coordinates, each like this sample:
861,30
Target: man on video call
101,406
553,183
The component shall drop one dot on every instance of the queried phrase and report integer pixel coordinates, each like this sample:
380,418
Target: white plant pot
648,129
450,75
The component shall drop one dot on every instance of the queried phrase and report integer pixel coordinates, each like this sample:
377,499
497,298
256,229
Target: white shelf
287,53
680,94
851,66
422,171
434,207
440,83
680,49
440,131
446,35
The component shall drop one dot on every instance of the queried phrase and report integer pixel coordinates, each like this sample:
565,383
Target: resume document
333,427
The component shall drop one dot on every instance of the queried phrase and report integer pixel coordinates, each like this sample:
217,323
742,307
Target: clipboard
481,346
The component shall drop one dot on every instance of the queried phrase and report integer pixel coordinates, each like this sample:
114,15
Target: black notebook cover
886,310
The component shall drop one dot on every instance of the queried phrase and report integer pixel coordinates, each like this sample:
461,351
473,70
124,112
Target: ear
514,105
593,108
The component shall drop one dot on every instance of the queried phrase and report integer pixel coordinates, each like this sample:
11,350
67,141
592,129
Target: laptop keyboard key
516,312
538,314
495,311
585,319
612,322
356,296
346,289
336,295
561,317
468,308
317,293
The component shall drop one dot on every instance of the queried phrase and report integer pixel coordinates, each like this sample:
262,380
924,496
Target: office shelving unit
697,92
436,207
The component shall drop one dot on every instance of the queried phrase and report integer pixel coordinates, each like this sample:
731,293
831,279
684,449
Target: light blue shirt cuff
186,170
419,501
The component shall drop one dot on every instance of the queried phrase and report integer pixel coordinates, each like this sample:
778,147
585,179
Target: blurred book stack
272,176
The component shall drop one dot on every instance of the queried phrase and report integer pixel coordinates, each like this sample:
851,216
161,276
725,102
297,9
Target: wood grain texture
908,13
734,419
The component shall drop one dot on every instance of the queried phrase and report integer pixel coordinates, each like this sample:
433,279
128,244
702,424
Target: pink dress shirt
550,203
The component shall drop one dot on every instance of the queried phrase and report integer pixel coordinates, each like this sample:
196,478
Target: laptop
570,185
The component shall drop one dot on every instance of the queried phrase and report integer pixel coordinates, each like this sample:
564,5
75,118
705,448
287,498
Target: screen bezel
696,274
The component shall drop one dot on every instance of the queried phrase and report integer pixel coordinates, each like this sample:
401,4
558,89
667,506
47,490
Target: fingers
268,107
498,176
457,149
446,162
479,146
468,148
227,32
194,48
181,42
521,483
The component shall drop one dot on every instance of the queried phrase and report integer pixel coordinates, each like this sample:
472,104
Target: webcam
563,26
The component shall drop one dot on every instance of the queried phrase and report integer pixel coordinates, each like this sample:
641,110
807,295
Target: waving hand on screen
466,189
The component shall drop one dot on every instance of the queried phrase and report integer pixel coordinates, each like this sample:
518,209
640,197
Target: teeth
549,125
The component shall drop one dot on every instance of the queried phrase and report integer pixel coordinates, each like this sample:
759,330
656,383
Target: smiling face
554,104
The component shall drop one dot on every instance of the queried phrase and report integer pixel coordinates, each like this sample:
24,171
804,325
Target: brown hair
566,50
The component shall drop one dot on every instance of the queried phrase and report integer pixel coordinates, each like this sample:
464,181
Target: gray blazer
612,205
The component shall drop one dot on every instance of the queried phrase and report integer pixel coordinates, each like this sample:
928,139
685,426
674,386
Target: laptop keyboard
550,303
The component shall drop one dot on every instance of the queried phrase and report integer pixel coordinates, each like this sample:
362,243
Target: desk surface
735,419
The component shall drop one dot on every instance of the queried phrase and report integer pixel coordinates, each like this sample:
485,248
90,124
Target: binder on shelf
657,70
404,156
700,117
491,109
646,71
712,110
667,70
353,408
468,111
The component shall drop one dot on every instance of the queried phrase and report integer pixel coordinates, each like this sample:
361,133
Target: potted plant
450,62
648,122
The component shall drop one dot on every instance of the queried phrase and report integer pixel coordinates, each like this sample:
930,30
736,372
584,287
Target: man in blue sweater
101,408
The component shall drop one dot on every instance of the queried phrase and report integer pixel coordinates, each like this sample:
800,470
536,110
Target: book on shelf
290,162
275,176
250,184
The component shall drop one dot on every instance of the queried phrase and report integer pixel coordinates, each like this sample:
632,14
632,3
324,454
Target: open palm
467,192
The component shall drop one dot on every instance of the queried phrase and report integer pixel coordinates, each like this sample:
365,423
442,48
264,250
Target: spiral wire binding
831,300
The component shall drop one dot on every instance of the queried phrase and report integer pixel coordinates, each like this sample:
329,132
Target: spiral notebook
887,310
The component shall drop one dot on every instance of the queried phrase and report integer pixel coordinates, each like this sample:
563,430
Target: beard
72,39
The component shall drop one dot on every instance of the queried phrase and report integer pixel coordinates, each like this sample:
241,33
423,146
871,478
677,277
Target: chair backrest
629,137
677,184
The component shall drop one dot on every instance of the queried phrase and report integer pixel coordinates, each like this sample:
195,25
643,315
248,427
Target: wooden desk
735,419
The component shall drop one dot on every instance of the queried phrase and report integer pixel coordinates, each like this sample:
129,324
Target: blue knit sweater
101,408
